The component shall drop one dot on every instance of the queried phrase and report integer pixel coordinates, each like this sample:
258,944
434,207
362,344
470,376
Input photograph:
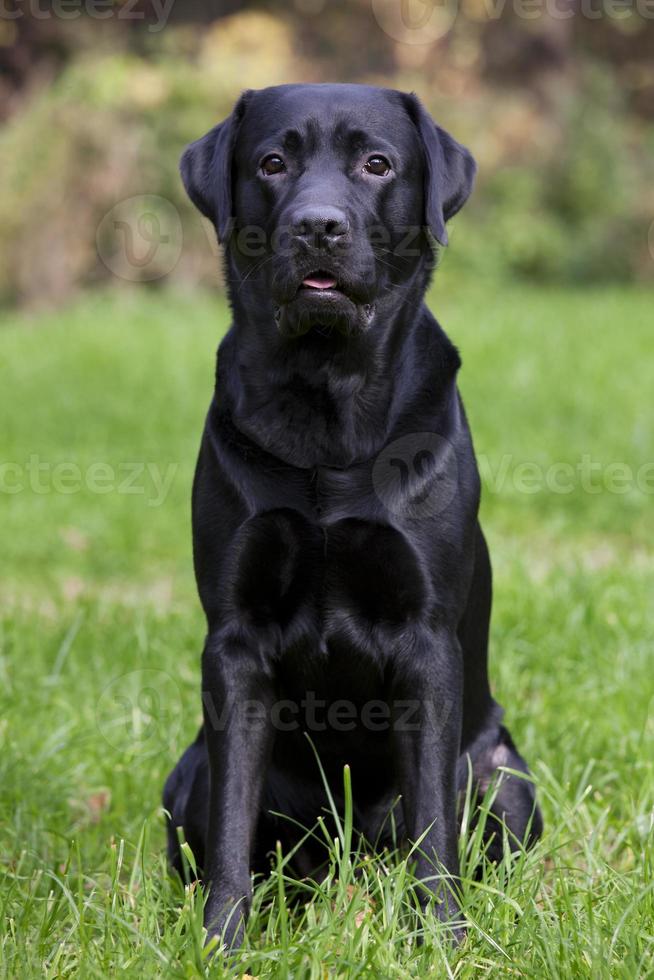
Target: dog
338,554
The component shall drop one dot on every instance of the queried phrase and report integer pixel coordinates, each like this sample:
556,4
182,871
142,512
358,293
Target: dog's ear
206,169
449,171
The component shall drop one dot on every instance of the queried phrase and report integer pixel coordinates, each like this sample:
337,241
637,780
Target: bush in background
565,167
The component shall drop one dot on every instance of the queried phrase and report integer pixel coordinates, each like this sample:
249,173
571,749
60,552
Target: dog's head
325,197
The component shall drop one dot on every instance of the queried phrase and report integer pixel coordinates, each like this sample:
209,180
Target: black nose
320,226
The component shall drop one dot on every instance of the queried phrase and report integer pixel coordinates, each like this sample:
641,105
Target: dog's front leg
237,698
427,702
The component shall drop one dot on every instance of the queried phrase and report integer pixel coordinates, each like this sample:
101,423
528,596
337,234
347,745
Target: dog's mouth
320,281
323,303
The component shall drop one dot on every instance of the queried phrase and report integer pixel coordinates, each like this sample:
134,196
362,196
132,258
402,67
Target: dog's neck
334,401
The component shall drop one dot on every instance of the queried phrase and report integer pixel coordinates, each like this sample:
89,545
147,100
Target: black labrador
339,559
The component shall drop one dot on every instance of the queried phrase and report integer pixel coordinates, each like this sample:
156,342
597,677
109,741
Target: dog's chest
348,573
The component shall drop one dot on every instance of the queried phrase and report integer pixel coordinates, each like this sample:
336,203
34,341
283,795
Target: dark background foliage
555,99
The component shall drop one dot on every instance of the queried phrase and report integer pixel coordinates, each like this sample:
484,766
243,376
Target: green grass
100,634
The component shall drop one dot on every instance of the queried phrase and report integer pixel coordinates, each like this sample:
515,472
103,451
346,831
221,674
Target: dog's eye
272,164
377,165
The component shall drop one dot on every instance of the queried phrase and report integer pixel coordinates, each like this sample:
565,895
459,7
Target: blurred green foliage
565,187
578,213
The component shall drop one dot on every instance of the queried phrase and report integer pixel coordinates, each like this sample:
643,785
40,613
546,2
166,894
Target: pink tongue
319,282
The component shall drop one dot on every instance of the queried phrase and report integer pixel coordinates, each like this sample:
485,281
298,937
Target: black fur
339,559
